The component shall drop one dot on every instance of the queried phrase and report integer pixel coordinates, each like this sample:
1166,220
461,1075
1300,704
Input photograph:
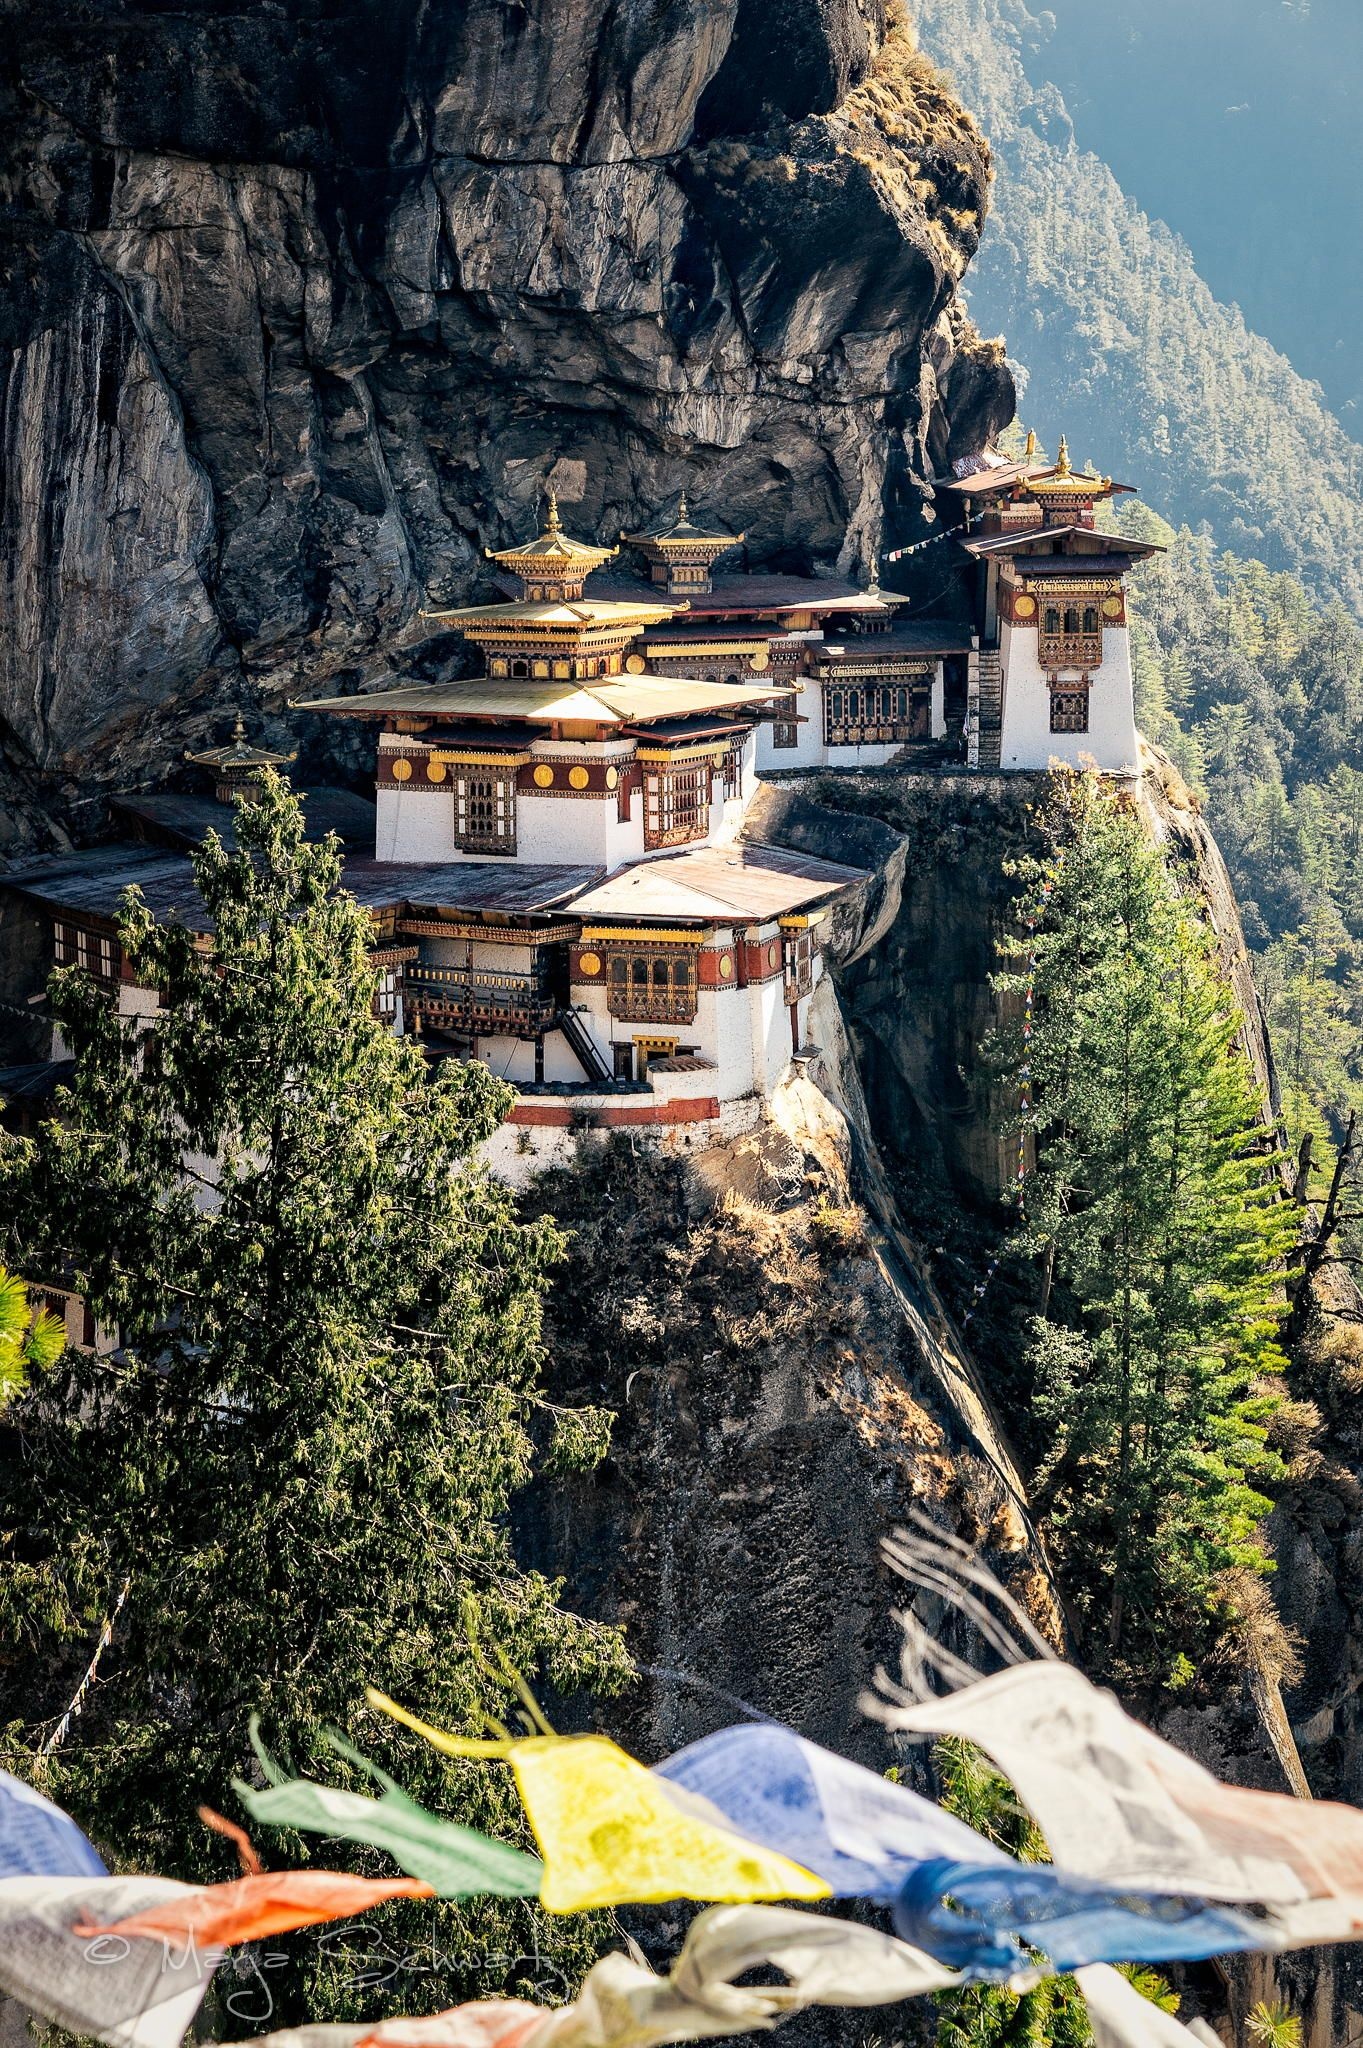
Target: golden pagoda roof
239,753
988,477
682,533
554,611
1065,481
617,700
552,552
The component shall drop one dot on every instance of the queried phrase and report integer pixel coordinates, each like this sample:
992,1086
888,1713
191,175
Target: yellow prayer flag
611,1834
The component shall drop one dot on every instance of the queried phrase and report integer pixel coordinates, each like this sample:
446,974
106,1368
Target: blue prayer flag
37,1839
1070,1920
861,1833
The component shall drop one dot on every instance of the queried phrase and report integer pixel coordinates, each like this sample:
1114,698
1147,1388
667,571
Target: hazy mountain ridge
1236,122
1124,346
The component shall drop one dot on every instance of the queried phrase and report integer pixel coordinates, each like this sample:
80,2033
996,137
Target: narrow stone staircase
991,707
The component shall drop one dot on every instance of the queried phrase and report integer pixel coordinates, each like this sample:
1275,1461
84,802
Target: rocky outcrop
303,309
785,1393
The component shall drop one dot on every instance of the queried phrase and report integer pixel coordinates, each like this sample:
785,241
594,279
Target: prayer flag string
916,547
1155,1860
106,1636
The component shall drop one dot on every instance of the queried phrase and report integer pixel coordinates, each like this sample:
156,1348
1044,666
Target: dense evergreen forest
1255,688
1120,342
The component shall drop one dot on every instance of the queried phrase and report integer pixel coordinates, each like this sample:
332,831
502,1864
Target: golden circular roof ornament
578,778
635,664
544,776
402,769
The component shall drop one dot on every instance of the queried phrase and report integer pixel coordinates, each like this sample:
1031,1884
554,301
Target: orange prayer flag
486,2023
219,1915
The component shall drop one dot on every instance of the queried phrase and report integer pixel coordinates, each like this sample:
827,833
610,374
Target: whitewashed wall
1028,741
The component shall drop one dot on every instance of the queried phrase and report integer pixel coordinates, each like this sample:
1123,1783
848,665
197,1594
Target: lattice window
485,810
797,961
733,770
1071,636
855,714
1069,710
654,987
386,995
676,804
94,951
785,733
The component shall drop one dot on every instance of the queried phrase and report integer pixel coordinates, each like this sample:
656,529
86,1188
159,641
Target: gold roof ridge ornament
552,556
239,753
1029,452
682,533
1067,481
681,556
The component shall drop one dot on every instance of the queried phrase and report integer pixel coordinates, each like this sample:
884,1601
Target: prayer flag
131,1994
1121,2018
871,1838
995,1908
221,1915
455,1861
484,2023
1122,1807
861,1833
624,2004
611,1835
37,1839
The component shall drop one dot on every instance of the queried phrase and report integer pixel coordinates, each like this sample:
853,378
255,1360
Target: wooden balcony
481,1001
653,1006
1070,650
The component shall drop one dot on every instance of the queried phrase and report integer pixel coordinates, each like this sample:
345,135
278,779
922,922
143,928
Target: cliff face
302,308
806,1334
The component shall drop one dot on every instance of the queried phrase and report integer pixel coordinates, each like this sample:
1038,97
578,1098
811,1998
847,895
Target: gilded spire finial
681,510
239,730
1029,452
552,523
1062,467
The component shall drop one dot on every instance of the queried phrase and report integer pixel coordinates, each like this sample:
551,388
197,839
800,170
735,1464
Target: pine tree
1156,1219
30,1340
303,1450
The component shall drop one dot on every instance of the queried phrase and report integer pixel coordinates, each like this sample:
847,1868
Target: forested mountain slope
1256,690
1124,345
1236,121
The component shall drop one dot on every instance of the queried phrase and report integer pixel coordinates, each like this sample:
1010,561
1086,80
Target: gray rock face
303,308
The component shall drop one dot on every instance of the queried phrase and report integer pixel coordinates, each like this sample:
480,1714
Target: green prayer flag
457,1862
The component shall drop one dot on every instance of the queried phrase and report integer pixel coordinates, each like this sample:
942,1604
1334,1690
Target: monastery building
556,861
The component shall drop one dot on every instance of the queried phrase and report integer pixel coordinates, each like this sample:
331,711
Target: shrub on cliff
302,1453
1159,1231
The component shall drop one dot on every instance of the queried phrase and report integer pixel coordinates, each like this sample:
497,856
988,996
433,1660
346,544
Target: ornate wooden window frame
652,984
677,799
75,945
484,808
1069,708
868,711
